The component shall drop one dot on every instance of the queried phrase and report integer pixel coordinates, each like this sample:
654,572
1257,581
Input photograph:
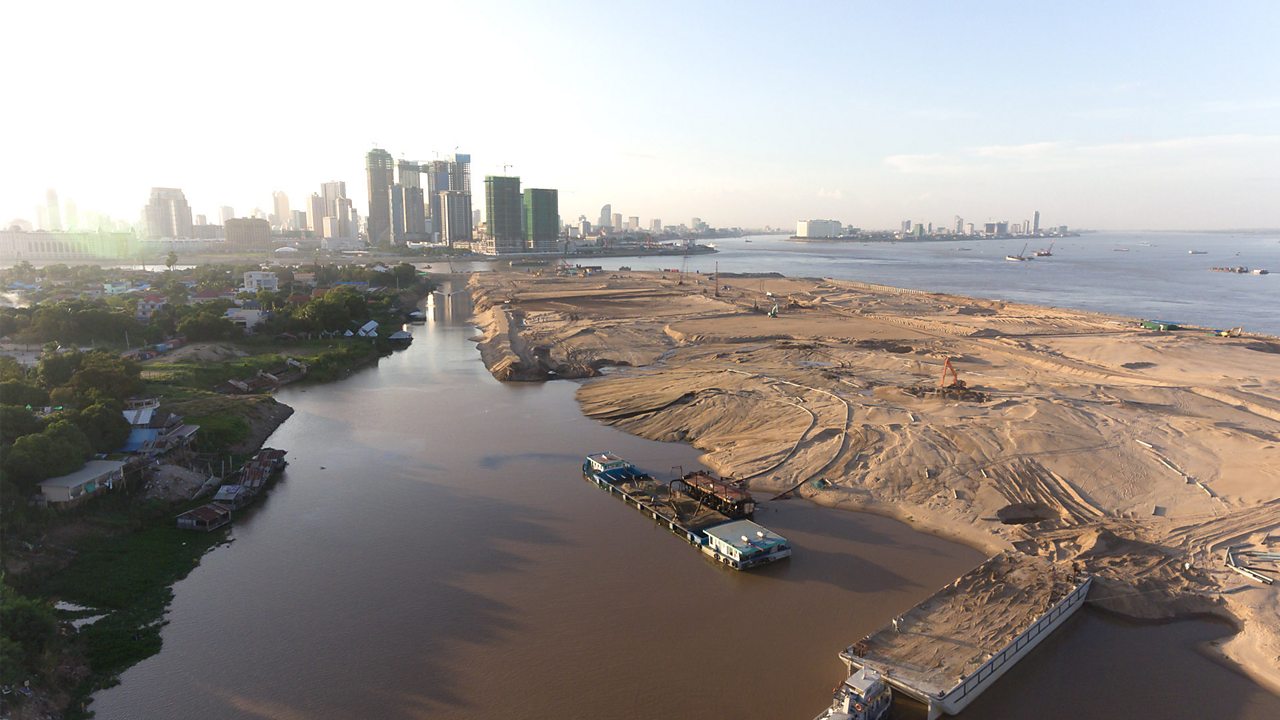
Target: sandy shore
1139,456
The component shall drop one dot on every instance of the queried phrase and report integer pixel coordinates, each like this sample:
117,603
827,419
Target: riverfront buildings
541,219
378,172
503,213
455,216
817,228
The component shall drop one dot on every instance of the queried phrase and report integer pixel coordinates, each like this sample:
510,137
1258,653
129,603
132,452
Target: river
1134,274
432,552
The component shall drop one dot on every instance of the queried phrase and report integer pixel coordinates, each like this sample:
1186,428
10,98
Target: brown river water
433,552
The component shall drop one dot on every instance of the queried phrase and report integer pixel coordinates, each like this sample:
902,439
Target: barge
947,650
710,513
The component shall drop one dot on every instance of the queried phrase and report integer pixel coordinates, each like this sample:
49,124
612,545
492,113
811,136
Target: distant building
247,233
17,245
906,226
437,172
168,214
1035,224
460,174
616,221
315,215
455,216
378,171
818,228
225,213
284,218
541,219
246,318
655,226
256,280
503,213
53,214
606,217
959,225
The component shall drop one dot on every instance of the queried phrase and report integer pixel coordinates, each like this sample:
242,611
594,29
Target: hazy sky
1110,114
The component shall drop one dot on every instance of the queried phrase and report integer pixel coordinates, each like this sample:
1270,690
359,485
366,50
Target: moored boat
862,696
706,511
1020,257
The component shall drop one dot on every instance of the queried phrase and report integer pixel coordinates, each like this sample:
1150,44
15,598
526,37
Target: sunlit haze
1103,115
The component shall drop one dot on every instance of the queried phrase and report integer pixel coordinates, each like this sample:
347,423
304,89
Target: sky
1110,115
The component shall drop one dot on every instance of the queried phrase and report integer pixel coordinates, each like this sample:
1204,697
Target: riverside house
96,476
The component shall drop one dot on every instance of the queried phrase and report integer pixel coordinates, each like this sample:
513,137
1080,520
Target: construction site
1146,458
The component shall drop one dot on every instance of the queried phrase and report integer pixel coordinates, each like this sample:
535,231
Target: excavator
948,370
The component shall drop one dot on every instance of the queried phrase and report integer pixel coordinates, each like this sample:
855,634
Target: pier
952,646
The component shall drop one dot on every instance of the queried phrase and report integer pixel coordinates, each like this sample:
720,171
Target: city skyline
1099,116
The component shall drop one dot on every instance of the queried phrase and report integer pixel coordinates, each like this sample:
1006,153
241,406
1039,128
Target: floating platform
948,649
737,543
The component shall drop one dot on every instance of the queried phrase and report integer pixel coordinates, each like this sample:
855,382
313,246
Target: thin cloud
1059,156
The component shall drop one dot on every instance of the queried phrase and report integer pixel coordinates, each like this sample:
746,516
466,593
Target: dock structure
951,647
690,518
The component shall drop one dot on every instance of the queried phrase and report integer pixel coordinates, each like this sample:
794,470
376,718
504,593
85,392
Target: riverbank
1135,455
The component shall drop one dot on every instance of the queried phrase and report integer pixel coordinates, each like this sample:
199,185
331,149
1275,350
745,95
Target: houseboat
742,544
707,512
862,696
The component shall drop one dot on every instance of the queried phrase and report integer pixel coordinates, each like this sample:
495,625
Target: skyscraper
959,225
225,213
455,216
1035,226
168,214
281,203
541,219
331,191
316,213
606,217
616,221
437,172
411,218
378,170
502,212
460,174
655,225
54,214
633,222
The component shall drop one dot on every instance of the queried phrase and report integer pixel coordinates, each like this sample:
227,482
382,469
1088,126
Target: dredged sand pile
1139,456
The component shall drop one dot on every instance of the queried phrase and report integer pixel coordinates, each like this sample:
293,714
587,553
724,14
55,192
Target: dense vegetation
67,407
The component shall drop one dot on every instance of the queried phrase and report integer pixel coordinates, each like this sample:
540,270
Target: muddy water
432,552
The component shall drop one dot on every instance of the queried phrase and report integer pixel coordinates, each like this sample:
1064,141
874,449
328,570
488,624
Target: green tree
11,369
105,376
56,368
104,426
170,260
17,392
16,421
30,625
207,326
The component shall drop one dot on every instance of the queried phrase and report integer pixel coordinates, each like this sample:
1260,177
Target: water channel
432,552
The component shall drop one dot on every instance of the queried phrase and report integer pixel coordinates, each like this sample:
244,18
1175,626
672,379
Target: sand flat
1136,455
